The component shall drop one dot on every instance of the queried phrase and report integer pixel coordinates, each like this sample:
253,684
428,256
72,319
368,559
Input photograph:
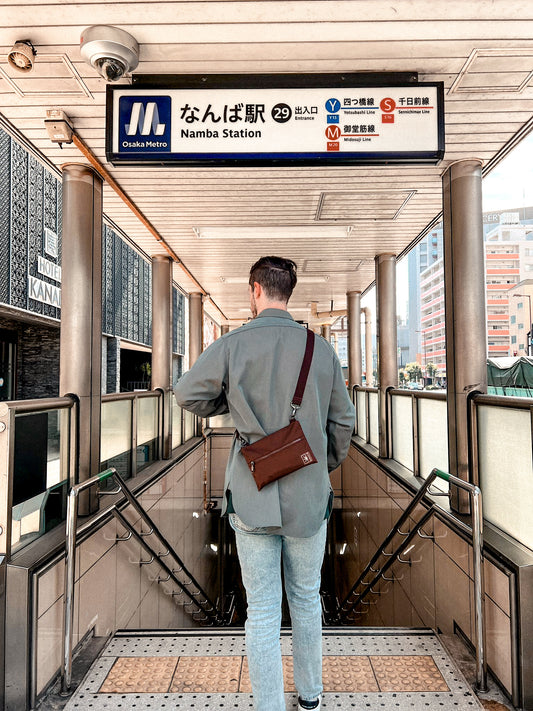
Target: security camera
111,51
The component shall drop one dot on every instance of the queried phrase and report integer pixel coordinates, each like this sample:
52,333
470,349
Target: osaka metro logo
144,124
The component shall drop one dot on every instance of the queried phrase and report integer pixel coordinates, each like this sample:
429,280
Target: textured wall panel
5,210
19,226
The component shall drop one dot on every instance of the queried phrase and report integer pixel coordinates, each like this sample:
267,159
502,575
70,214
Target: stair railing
187,584
372,574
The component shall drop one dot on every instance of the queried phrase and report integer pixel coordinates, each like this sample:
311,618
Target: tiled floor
400,670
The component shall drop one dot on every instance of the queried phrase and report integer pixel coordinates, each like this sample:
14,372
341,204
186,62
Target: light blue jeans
260,555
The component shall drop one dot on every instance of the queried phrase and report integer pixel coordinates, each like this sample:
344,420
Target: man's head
272,280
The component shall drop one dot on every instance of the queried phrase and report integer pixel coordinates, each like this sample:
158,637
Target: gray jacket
252,373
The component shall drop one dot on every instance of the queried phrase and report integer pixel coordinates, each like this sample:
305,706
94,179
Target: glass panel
402,430
40,475
190,424
433,438
373,407
505,470
115,442
176,422
147,431
361,414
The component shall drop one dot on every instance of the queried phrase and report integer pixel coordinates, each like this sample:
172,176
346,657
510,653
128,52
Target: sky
509,185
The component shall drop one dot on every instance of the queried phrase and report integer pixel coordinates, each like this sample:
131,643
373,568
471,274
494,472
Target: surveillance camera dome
111,51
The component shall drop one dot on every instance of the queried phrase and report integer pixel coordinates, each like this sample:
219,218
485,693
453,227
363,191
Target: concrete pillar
162,341
80,364
387,342
466,339
224,329
196,327
325,332
355,365
369,363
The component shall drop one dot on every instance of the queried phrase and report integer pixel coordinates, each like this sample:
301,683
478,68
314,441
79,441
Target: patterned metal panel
5,210
50,221
30,202
19,226
35,229
174,320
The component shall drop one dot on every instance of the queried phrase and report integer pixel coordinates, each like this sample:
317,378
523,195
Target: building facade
30,288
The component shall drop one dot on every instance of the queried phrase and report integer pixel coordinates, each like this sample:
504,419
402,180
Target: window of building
513,319
520,305
513,339
520,325
521,347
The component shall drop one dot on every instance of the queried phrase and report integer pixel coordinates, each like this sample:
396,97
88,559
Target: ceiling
482,50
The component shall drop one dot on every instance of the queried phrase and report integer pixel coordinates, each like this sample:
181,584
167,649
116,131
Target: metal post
387,341
162,342
325,332
80,364
196,323
70,574
466,338
353,299
479,588
70,579
369,364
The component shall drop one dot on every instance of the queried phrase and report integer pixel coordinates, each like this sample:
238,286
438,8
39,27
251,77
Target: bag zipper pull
252,467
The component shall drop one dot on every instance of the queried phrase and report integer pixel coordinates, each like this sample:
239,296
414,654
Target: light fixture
301,280
21,56
110,50
274,232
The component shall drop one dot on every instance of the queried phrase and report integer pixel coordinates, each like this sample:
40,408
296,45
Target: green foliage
413,371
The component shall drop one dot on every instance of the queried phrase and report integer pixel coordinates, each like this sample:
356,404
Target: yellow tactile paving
130,675
207,675
288,679
349,674
408,673
229,674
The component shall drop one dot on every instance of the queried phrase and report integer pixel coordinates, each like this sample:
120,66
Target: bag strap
304,372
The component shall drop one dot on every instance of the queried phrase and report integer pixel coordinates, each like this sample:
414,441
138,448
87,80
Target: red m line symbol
333,133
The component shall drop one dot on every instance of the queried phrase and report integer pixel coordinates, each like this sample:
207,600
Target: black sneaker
308,705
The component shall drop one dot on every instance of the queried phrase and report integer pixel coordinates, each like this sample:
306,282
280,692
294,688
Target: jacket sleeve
341,419
202,389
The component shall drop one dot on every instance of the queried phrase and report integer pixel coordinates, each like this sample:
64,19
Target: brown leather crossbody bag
285,450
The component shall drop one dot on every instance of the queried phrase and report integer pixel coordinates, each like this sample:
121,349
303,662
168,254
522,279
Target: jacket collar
276,313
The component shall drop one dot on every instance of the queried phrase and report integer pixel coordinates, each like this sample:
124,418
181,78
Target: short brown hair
276,275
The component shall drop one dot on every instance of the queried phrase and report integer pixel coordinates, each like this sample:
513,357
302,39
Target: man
252,373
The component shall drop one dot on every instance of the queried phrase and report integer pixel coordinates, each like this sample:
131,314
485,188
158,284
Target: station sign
271,120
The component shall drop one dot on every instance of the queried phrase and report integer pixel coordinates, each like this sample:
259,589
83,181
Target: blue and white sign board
276,125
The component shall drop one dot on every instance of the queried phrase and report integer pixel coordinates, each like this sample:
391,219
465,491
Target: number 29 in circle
281,113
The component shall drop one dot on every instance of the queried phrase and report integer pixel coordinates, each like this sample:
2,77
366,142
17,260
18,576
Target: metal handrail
479,580
45,403
70,573
388,539
346,607
115,397
203,603
166,545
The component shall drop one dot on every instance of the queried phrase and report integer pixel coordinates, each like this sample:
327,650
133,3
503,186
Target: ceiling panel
481,50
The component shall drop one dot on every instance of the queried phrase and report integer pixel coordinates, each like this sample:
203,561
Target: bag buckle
294,408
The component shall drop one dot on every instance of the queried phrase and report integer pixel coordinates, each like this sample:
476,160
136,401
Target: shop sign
238,120
44,292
